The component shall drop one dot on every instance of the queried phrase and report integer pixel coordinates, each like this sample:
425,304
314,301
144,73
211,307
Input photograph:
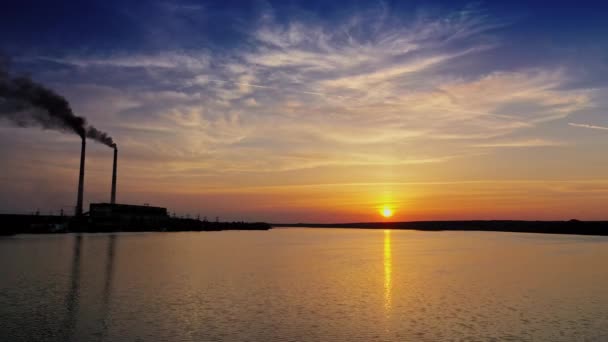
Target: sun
386,212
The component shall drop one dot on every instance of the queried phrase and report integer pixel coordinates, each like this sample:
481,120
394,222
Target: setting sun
386,212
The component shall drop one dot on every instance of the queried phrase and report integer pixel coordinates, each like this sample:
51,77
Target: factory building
109,216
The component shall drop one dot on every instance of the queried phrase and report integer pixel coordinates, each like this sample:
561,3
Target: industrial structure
113,194
80,195
78,211
111,216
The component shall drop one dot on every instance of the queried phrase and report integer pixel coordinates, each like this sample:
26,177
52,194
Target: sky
317,111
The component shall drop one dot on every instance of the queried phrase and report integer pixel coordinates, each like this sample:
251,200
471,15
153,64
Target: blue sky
220,102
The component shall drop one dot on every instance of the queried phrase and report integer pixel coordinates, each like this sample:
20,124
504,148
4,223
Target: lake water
304,285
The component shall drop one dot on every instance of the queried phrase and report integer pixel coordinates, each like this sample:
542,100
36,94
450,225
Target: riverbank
572,227
11,224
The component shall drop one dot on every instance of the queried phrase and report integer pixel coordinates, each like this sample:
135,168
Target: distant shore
47,224
572,227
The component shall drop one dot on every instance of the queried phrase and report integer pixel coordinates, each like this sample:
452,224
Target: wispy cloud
361,96
167,60
421,102
523,143
588,126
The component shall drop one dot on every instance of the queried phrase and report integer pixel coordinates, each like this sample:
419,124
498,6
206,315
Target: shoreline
571,227
13,224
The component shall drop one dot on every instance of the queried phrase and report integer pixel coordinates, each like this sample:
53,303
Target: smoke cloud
102,137
27,103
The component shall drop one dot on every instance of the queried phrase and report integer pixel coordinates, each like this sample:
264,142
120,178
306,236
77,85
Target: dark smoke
27,103
102,137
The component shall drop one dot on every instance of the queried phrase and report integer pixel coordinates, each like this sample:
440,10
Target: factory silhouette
27,103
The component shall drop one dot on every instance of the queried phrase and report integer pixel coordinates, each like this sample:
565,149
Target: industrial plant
112,216
28,103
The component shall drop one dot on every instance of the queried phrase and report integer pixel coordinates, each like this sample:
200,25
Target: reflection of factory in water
75,296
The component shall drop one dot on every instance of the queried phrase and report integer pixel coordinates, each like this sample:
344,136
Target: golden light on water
388,270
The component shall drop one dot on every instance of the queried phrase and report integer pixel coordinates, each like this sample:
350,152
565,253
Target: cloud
298,100
587,126
523,143
367,90
167,60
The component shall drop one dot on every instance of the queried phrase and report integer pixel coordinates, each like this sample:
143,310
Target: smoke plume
102,137
27,103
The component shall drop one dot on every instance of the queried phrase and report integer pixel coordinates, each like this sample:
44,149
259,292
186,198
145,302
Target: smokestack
113,200
81,180
27,103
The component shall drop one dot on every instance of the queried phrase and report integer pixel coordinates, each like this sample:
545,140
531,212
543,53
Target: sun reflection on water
388,270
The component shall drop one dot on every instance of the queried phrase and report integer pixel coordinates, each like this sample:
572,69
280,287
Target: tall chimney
113,200
81,180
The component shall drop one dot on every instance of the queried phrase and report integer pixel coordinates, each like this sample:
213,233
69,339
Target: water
304,285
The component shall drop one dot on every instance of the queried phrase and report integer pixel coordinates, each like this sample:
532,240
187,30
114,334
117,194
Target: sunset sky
317,111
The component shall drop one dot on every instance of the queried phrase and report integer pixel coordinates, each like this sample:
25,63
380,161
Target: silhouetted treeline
546,227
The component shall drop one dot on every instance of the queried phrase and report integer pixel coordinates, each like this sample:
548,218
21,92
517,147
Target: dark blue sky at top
54,26
535,33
